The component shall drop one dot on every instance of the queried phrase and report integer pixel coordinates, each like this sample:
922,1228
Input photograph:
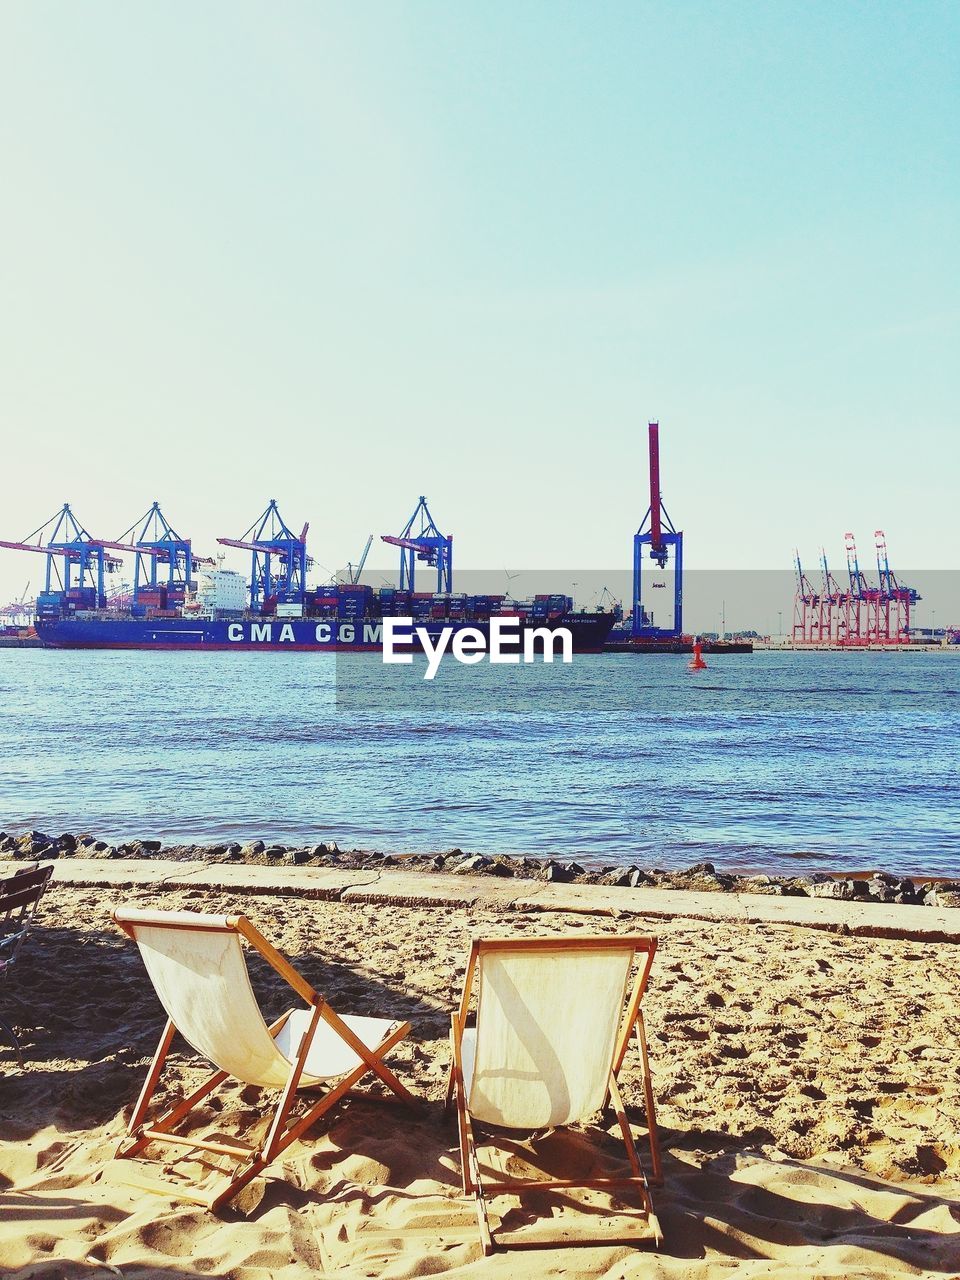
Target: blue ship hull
325,635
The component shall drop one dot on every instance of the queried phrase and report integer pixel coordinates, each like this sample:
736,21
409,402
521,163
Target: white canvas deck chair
198,968
553,1025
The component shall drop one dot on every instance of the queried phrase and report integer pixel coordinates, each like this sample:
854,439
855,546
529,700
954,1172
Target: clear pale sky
343,254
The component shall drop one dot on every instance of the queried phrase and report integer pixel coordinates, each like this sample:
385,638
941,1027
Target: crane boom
45,551
656,529
354,571
145,549
252,546
410,544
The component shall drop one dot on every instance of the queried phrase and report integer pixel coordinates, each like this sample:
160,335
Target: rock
500,867
575,869
881,890
86,842
67,842
7,844
389,861
253,848
621,877
476,863
943,898
32,843
625,877
319,851
703,878
214,851
276,852
454,853
438,863
765,884
150,846
234,850
833,889
99,846
554,872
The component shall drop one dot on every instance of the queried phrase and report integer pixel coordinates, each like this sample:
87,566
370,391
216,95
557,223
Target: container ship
336,618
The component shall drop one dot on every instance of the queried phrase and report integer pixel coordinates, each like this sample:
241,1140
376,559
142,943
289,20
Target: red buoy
696,663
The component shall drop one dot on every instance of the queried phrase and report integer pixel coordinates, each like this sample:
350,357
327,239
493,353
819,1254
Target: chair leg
170,1118
472,1181
153,1075
649,1103
287,1098
486,1239
12,1037
646,1204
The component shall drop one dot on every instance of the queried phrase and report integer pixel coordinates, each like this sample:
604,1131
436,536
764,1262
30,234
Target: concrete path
426,889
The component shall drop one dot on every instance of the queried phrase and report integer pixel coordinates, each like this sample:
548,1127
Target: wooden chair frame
631,1022
283,1130
20,896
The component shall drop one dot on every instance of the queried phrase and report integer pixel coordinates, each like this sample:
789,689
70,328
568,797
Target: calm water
770,761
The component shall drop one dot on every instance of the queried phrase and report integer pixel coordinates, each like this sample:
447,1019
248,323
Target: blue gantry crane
280,561
155,543
661,542
85,561
420,539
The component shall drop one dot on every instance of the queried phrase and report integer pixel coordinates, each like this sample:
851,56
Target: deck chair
553,1024
199,970
20,896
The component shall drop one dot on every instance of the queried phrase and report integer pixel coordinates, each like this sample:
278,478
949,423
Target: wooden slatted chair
198,968
20,896
554,1021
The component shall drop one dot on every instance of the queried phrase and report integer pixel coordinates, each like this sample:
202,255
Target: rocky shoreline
880,887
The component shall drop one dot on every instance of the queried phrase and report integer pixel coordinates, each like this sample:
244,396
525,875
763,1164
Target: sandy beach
807,1085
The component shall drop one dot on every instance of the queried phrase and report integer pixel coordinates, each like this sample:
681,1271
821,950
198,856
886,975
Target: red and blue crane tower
657,540
424,543
279,564
85,561
896,599
806,606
